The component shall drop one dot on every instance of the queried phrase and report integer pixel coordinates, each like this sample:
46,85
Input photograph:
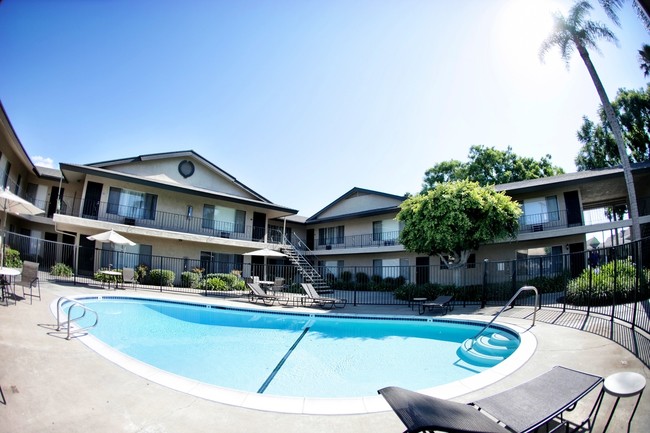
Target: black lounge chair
443,302
257,293
324,301
521,409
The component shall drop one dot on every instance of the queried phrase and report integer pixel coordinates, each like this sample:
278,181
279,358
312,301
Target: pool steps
487,350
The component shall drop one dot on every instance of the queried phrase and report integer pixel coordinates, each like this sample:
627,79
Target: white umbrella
265,252
113,237
11,203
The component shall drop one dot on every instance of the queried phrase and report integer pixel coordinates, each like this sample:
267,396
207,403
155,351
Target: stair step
474,357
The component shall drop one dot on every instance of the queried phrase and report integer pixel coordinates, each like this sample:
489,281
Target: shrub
361,278
190,279
141,273
12,258
61,270
213,283
613,282
163,277
222,282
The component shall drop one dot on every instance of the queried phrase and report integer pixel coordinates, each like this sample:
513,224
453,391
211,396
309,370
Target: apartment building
179,204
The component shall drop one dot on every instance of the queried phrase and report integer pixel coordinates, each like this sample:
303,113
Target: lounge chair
323,301
257,293
521,409
443,302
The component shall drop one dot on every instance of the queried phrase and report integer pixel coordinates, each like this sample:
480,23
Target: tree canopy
454,218
599,150
489,166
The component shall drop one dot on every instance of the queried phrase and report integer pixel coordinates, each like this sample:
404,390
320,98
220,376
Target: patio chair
443,302
257,293
323,301
29,280
128,276
521,409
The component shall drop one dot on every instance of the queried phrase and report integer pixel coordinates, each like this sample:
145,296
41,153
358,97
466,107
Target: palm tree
644,59
576,32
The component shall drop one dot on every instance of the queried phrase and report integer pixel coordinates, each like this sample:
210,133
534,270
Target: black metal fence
611,282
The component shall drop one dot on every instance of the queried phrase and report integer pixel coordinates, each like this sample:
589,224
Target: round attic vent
186,168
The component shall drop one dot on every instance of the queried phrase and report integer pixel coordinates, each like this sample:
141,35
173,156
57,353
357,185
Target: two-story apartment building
179,204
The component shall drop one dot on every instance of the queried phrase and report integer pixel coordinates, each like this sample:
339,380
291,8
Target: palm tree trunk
618,137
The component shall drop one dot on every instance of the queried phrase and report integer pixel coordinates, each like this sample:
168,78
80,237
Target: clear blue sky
301,100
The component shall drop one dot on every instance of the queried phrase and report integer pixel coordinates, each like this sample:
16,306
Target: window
540,262
541,210
392,268
5,181
220,263
331,235
331,267
131,204
386,231
223,219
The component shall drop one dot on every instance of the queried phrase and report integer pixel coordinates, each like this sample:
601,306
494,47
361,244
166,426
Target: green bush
163,277
222,282
141,273
12,258
613,282
548,284
214,283
61,270
361,278
190,279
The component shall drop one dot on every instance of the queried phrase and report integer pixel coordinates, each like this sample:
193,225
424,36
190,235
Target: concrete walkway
50,384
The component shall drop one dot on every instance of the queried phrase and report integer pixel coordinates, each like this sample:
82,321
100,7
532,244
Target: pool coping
302,405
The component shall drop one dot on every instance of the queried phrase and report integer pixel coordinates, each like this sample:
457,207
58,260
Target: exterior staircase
307,270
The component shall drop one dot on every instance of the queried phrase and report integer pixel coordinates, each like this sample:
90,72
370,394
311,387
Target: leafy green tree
576,32
632,108
455,218
644,59
489,166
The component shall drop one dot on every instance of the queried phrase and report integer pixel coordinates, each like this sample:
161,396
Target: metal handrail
523,289
75,303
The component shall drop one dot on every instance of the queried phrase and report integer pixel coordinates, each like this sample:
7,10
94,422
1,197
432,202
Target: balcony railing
197,225
161,220
358,241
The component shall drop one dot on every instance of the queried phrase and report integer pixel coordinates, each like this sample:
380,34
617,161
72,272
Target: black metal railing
358,241
161,220
610,283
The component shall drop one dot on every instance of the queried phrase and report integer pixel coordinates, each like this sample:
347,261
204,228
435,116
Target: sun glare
520,29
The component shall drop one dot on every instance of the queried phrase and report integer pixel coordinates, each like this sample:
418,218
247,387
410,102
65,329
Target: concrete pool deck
50,384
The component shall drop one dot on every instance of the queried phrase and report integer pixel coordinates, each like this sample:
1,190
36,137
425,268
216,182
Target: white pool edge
303,405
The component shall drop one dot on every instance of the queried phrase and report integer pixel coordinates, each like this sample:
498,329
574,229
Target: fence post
485,281
161,279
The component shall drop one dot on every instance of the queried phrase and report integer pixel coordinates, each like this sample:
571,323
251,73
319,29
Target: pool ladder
67,323
492,349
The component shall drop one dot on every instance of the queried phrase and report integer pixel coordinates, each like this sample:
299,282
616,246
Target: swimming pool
258,359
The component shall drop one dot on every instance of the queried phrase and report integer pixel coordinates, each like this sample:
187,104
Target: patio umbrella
265,252
11,203
112,237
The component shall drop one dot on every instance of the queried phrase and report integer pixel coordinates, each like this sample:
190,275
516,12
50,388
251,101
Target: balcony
560,220
358,241
160,220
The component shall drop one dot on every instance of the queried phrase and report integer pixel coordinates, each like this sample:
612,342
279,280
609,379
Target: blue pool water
284,354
